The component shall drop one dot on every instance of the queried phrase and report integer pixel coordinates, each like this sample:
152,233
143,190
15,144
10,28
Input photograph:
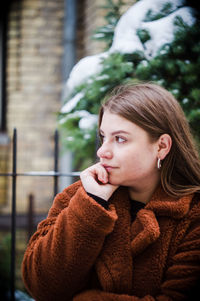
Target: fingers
94,177
98,172
95,180
101,173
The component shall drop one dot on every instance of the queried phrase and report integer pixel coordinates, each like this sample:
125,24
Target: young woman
129,230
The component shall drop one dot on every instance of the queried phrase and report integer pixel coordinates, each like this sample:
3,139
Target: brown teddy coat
83,252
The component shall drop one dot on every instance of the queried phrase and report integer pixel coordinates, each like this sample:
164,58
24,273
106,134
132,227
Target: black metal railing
14,174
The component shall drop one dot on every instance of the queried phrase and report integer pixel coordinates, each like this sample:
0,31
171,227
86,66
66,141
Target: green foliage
116,69
5,251
82,143
166,10
144,35
176,67
5,272
105,33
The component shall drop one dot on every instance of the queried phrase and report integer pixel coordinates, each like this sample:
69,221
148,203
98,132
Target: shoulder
194,213
192,219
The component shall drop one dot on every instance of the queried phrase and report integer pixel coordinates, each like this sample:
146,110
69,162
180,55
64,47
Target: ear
164,146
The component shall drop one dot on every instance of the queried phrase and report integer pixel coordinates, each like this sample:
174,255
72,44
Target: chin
114,181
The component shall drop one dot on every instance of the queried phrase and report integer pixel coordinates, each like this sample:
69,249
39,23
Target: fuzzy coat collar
127,241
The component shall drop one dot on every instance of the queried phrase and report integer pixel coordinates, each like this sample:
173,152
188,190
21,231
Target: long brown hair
155,110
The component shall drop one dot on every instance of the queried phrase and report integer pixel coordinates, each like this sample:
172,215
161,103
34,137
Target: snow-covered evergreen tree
154,40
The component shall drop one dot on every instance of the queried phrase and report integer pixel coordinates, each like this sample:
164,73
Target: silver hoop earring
159,163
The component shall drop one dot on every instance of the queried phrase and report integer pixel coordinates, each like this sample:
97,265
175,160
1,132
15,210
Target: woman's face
127,153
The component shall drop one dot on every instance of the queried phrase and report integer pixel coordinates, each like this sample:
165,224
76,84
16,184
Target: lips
109,167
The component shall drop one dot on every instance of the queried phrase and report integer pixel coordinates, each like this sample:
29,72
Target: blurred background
58,60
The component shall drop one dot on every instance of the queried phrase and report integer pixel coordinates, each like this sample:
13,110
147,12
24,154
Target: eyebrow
116,132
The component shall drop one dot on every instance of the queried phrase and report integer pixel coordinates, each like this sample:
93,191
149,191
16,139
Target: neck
144,194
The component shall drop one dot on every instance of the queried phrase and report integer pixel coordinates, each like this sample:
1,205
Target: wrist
99,200
101,195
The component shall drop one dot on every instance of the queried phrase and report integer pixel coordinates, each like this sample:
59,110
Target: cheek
130,162
148,162
140,161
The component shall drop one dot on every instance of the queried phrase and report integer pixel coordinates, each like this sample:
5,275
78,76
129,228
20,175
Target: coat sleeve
182,278
61,253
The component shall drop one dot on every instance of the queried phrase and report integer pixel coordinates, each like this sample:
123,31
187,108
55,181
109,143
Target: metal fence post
30,224
56,151
13,220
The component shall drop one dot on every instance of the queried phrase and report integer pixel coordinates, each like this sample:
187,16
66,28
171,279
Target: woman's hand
95,181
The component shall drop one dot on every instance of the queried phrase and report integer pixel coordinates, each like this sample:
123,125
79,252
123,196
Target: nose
104,152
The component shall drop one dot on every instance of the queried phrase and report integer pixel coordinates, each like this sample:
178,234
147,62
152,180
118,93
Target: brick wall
35,33
94,17
90,16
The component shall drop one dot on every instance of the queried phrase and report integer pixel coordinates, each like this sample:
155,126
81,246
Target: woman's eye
102,137
120,139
